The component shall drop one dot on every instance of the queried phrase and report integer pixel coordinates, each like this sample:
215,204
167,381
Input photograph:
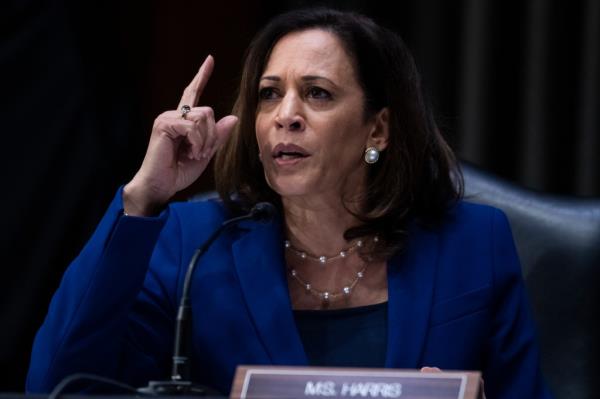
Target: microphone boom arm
180,383
180,366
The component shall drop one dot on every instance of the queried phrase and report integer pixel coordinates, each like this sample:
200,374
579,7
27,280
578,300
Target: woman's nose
289,115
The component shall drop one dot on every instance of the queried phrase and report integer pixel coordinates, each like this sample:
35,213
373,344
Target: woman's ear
380,133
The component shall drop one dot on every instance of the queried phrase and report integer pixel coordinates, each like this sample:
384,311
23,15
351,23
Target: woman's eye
267,93
318,93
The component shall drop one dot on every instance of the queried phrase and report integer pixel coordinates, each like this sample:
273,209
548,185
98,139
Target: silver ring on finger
185,109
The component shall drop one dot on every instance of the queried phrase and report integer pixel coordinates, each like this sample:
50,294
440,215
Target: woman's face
310,123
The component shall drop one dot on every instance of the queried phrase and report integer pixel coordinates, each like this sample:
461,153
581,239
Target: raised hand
181,145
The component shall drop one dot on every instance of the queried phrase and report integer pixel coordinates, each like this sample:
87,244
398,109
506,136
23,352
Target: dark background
515,85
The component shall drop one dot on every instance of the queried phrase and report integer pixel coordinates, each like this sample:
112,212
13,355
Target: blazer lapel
411,276
258,257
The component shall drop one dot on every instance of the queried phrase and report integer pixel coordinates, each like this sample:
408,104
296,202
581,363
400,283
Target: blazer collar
258,256
411,277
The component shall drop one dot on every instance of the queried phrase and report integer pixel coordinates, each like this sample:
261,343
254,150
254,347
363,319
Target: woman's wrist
136,203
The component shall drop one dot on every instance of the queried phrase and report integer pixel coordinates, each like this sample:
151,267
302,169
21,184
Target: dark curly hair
417,175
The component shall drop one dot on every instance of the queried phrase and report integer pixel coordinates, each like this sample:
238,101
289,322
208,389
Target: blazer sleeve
99,319
512,368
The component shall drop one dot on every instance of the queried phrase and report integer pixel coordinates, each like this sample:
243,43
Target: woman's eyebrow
307,78
310,78
273,78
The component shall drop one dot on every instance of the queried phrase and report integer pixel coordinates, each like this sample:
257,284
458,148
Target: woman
372,261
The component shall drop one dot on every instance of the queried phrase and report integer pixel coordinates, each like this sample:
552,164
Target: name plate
263,382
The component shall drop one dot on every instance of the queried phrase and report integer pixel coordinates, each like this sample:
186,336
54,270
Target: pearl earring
371,155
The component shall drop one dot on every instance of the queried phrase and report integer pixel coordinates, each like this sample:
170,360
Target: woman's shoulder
208,210
470,216
473,248
469,225
192,222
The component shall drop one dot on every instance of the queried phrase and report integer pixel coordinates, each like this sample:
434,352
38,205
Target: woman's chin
289,187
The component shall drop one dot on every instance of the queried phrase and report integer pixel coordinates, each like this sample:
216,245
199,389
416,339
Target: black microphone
263,212
180,383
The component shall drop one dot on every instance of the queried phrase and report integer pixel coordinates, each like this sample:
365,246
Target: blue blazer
456,300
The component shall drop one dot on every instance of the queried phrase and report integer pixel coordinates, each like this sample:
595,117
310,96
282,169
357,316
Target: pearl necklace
327,296
322,259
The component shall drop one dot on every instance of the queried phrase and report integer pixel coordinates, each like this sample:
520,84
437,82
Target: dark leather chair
558,240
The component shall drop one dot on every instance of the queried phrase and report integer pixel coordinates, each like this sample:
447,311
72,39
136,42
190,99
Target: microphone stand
180,383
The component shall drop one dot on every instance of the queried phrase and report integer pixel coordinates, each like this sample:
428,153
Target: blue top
353,337
456,300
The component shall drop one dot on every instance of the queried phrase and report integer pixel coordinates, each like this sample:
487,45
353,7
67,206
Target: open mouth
288,152
289,155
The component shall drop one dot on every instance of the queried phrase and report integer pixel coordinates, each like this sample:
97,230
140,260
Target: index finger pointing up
193,91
